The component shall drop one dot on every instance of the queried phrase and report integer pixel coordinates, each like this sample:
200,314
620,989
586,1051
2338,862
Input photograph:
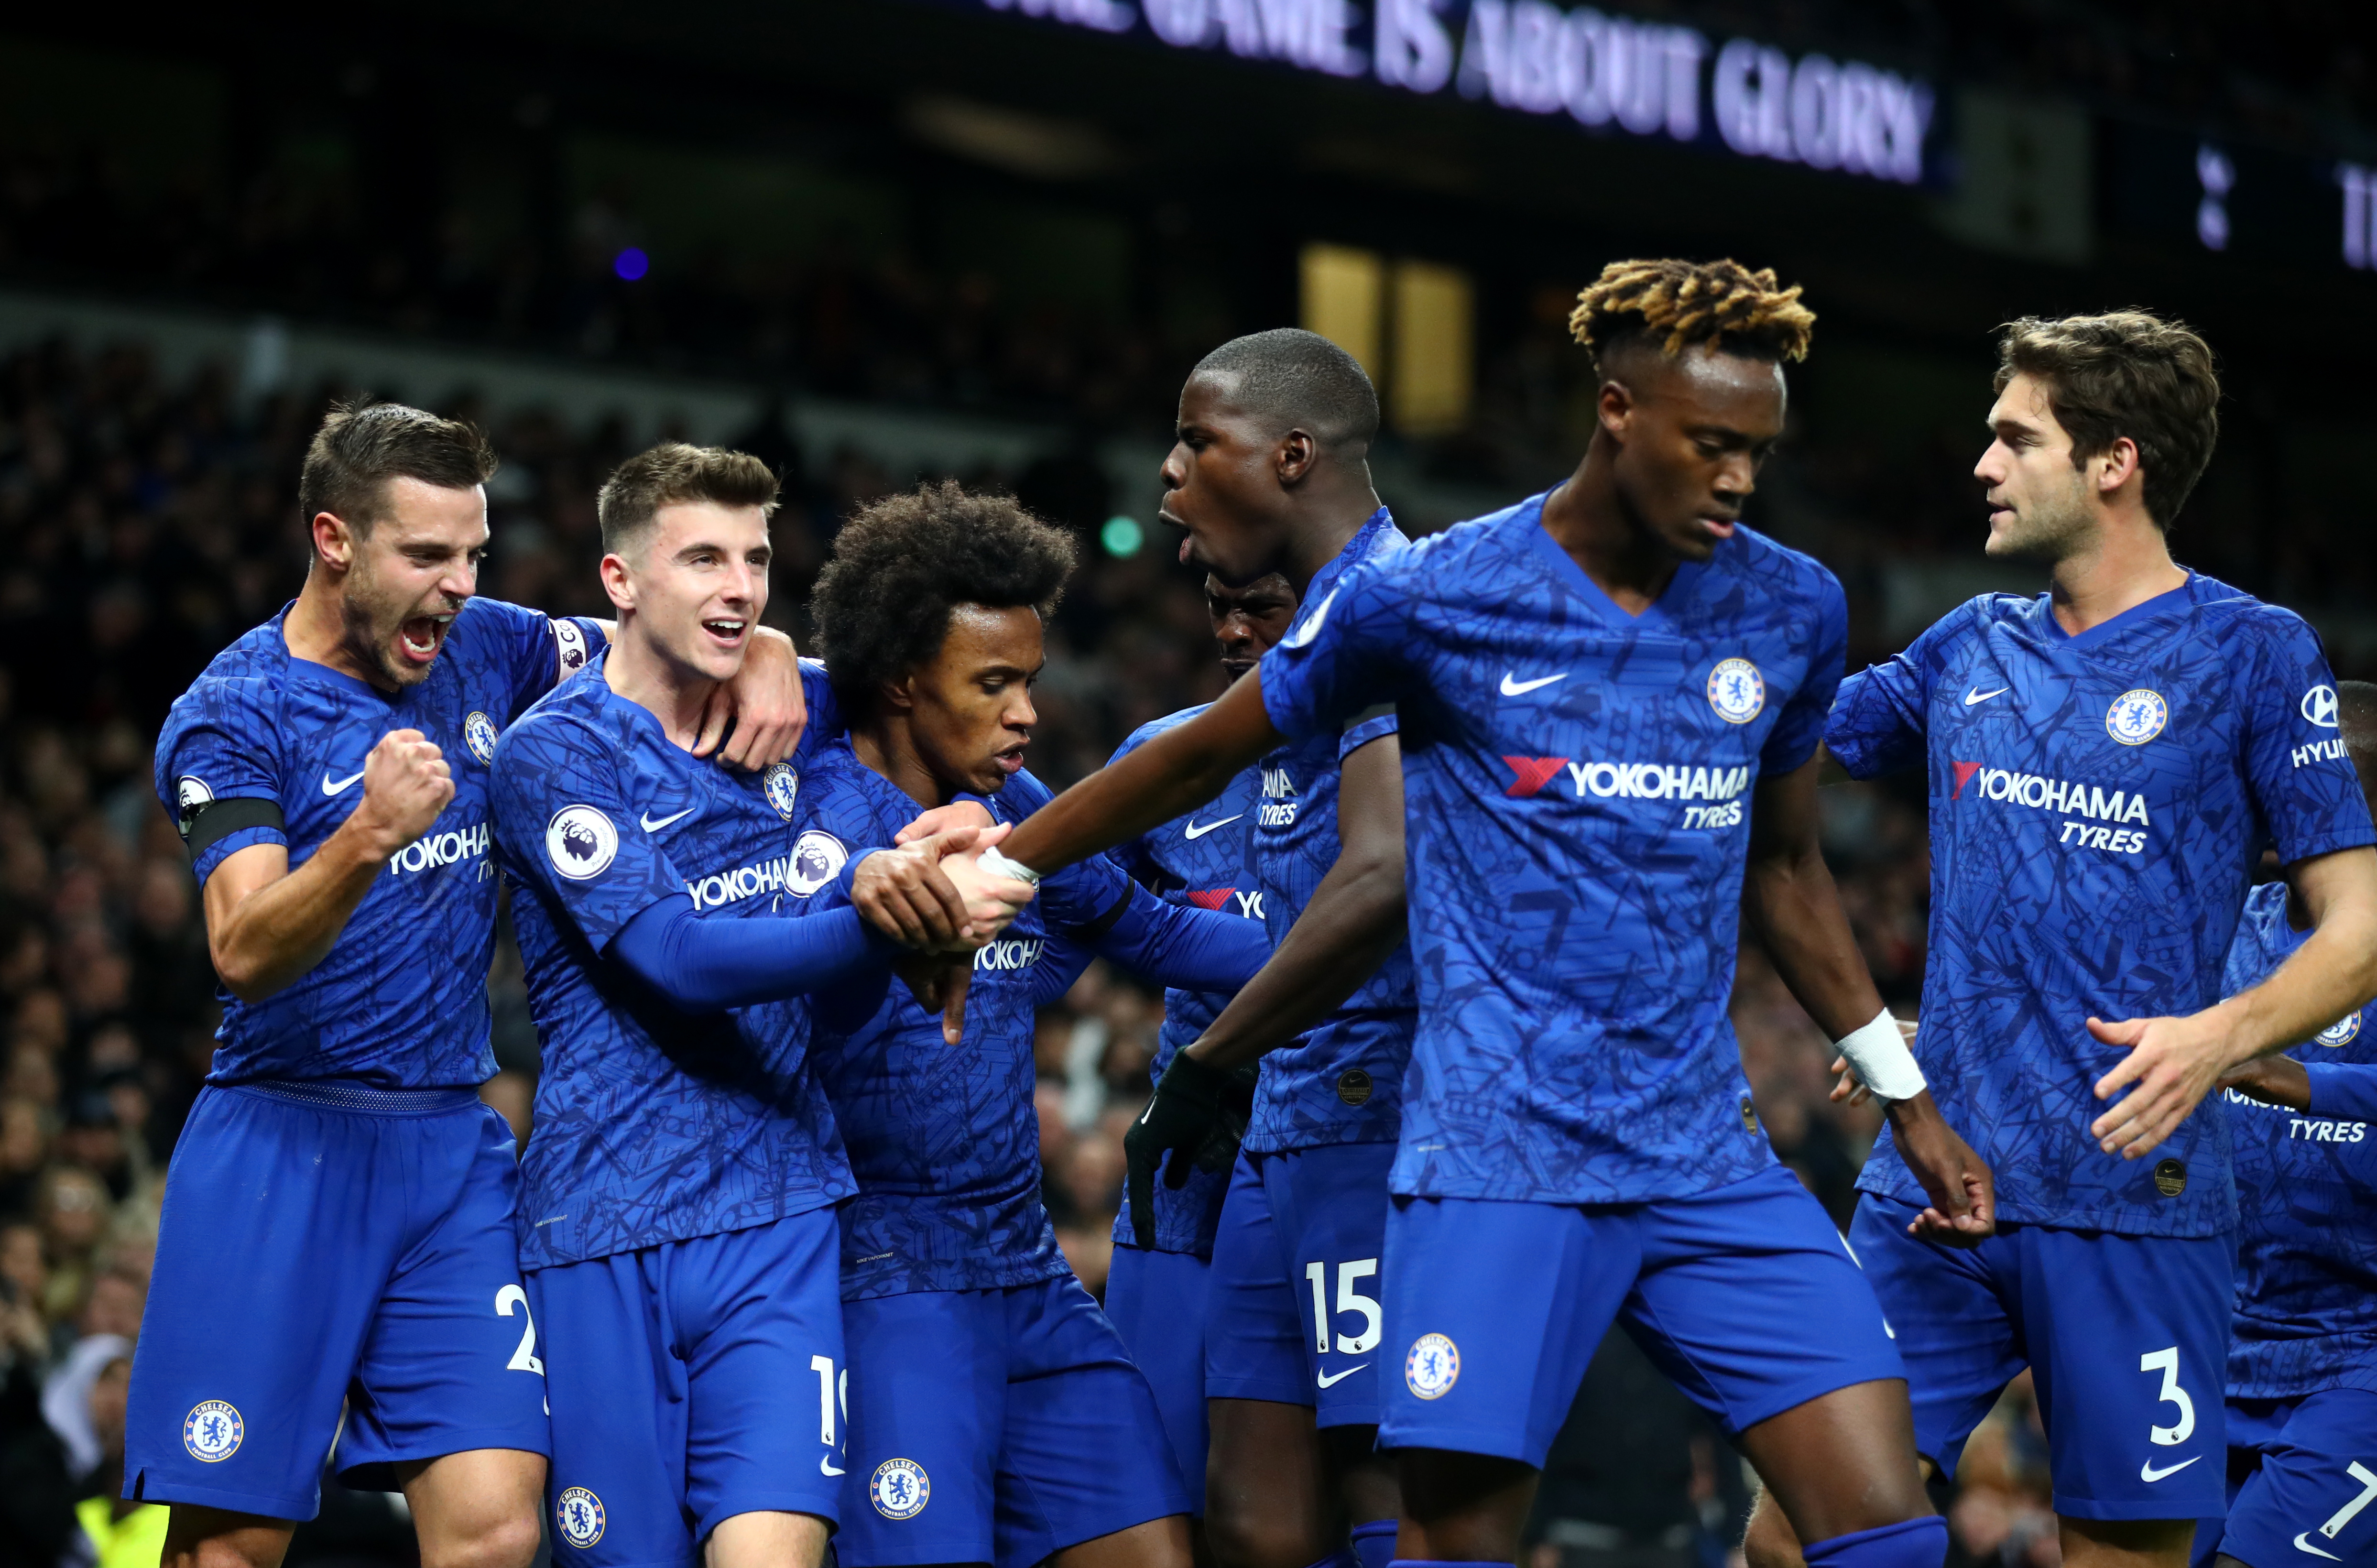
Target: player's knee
1769,1542
1244,1530
507,1541
1912,1543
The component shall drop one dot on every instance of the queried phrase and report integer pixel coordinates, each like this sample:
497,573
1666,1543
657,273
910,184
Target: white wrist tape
1878,1054
999,865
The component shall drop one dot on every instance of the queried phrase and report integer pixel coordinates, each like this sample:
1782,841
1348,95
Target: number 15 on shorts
1366,1307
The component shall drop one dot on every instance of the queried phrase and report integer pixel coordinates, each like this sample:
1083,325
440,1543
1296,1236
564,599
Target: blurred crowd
149,523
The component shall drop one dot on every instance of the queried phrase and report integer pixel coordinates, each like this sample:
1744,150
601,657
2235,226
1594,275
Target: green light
1122,536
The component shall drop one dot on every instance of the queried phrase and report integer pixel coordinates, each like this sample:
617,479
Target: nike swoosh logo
653,827
828,1467
1975,694
330,786
1194,831
1521,688
1329,1379
2146,1472
2302,1545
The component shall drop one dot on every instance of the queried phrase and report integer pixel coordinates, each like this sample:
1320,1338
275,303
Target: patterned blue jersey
1341,1082
2098,804
400,1000
943,1139
651,1124
1197,860
1576,791
2307,1205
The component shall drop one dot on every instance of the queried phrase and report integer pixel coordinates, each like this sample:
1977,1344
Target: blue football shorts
1296,1313
1746,1297
2302,1482
995,1426
1156,1301
326,1247
692,1381
2126,1338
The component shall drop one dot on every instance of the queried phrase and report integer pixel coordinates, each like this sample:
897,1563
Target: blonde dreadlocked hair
1722,303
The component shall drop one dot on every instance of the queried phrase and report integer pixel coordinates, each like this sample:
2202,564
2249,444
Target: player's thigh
2128,1349
1156,1301
1082,1453
451,1362
1258,1333
619,1402
928,1406
1953,1315
1493,1311
199,1536
2313,1497
478,1507
1158,1543
759,1311
275,1241
1331,1208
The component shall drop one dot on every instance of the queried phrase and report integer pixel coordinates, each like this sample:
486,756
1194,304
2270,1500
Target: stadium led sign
1604,71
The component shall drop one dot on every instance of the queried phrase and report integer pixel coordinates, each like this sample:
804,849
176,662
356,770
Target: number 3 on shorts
524,1360
2166,1363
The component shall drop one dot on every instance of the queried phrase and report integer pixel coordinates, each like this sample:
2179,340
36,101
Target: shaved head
1293,380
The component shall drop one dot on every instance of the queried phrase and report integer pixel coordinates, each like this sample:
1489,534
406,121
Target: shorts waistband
361,1097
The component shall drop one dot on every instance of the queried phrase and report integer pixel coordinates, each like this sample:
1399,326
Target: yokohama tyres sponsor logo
1020,953
434,850
2083,805
1627,781
744,881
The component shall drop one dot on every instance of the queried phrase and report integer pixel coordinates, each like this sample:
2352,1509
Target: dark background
886,241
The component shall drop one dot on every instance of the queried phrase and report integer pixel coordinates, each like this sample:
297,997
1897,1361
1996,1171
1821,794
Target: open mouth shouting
726,632
418,639
1009,760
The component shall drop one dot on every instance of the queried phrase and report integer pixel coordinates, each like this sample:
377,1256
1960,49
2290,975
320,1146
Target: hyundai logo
2318,706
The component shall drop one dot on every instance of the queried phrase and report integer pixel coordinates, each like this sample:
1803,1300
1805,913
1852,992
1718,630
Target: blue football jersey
1340,1082
943,1139
651,1124
1199,860
2306,1204
2097,803
400,1000
1576,792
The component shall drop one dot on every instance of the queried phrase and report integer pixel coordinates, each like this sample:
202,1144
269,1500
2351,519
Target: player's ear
1616,408
1296,454
2116,465
900,696
619,583
334,540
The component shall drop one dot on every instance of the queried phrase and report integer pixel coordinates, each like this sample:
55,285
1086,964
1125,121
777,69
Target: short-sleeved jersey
2306,1204
943,1139
652,1124
400,1000
1341,1082
1576,792
2098,804
1199,861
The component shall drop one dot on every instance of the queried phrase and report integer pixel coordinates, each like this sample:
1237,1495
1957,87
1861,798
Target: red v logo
1210,898
1965,771
1533,774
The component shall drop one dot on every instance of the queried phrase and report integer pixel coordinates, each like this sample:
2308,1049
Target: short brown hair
679,474
362,446
2125,373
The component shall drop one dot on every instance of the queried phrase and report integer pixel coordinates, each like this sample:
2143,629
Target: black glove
1185,1119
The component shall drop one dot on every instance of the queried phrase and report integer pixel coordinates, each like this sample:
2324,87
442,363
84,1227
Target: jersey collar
2181,597
1660,612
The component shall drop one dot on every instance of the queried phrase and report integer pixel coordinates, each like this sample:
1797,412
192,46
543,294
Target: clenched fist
406,783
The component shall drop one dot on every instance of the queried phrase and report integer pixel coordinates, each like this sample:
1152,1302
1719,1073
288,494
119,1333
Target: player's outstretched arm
1178,772
1788,894
1355,917
2174,1063
266,925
